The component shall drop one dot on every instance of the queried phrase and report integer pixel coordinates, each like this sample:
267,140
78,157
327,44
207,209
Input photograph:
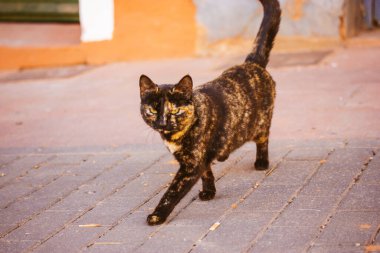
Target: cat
208,123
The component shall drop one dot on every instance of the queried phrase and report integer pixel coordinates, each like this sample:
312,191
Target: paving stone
172,239
67,160
277,239
371,176
107,212
100,213
293,217
234,233
42,199
331,189
129,234
349,228
308,153
22,211
5,159
334,176
362,197
364,143
268,198
97,163
347,159
11,192
318,203
145,184
20,166
4,228
38,228
55,190
291,173
14,246
336,249
102,185
72,237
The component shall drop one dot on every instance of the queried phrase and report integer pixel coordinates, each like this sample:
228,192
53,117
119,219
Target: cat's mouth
165,131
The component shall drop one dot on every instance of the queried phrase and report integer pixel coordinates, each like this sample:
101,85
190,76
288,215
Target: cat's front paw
155,219
206,195
261,164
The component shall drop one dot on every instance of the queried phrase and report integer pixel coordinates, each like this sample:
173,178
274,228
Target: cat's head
167,108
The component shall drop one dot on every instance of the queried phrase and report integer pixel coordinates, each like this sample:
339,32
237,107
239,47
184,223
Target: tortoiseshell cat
208,123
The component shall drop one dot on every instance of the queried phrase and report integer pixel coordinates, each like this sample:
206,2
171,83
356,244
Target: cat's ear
146,85
185,86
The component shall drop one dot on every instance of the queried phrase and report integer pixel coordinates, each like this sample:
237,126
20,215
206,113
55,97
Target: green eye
150,111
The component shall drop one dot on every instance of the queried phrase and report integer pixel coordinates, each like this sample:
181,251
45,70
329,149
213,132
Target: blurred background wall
40,33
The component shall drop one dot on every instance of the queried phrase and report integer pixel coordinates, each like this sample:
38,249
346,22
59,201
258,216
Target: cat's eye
150,111
177,111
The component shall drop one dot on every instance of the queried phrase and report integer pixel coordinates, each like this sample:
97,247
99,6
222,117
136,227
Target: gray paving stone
97,163
309,153
336,249
38,228
107,212
5,228
298,218
70,239
362,197
234,233
7,158
132,232
349,228
347,158
100,213
38,177
291,173
334,176
288,239
364,142
51,192
62,160
371,176
146,184
172,239
43,198
14,246
103,185
21,211
318,203
329,188
11,192
20,166
268,198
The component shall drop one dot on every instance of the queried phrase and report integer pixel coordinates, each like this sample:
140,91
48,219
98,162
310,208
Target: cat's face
168,109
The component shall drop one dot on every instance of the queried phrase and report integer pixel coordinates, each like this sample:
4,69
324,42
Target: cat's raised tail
267,32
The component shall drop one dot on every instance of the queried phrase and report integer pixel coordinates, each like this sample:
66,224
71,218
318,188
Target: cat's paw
261,164
155,219
206,195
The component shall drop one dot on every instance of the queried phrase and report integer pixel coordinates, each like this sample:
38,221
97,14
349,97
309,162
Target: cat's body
208,123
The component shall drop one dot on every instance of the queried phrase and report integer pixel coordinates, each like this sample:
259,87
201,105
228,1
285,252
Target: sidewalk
80,171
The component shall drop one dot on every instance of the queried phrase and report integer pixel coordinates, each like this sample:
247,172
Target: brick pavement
77,191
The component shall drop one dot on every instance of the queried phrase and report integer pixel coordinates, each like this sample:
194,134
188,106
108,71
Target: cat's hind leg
262,161
208,185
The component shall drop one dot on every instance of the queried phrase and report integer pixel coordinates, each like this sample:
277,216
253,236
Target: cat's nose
162,122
